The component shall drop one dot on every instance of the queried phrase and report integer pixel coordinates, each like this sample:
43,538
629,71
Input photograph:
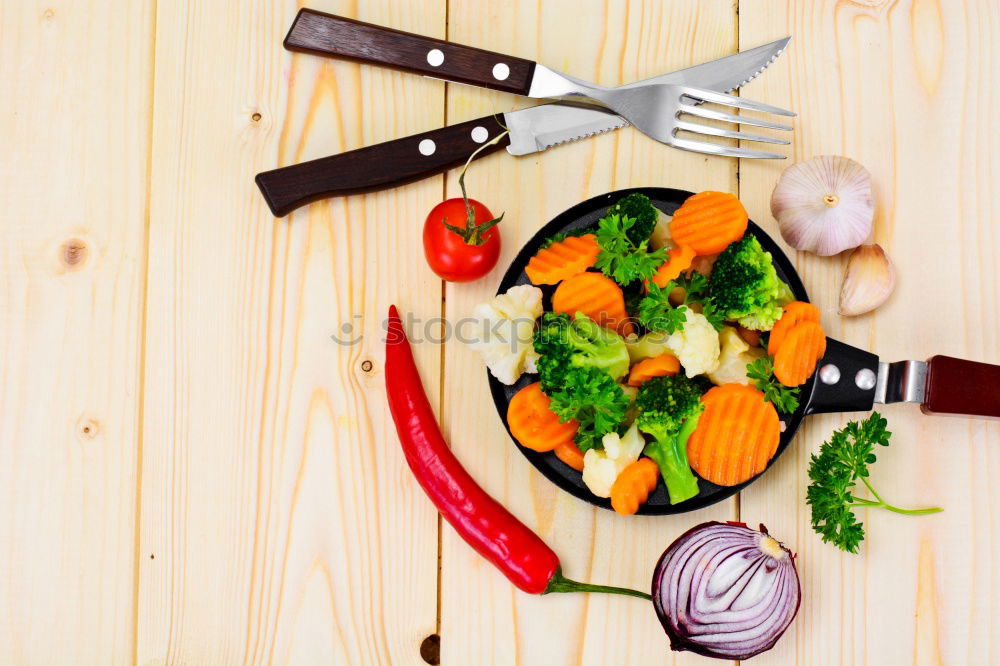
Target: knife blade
524,131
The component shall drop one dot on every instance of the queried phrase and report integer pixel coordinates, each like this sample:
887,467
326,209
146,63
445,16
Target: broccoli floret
566,344
595,400
669,408
744,285
563,235
639,208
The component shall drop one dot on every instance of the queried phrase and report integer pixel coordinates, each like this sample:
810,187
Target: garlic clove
824,205
868,281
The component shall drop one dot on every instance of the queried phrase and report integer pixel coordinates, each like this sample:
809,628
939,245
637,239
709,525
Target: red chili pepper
484,524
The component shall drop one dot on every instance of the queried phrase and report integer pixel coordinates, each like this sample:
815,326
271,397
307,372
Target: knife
531,130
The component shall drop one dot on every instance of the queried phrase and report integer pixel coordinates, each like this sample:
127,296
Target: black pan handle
845,380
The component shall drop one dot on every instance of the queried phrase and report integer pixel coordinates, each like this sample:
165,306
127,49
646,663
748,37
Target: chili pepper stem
472,233
559,583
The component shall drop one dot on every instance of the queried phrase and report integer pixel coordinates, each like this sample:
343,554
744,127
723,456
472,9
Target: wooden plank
906,89
483,618
279,521
75,136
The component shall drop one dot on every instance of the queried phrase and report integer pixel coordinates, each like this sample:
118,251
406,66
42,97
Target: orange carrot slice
532,422
708,222
658,366
633,485
799,352
563,259
596,296
737,435
794,312
570,454
678,260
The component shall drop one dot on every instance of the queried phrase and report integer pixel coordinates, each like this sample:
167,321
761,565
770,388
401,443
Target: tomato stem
472,233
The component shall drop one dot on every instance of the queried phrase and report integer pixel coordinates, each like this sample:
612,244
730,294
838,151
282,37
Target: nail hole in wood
89,428
255,117
152,557
366,366
430,649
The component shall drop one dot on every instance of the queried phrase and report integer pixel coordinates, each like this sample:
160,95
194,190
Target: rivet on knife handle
378,167
325,34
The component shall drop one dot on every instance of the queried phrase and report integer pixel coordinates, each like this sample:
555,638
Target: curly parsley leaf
595,400
842,461
761,371
658,315
620,258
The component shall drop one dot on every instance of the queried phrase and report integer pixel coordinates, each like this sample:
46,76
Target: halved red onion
724,590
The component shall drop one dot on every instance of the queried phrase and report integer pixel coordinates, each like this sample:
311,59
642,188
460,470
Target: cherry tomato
448,254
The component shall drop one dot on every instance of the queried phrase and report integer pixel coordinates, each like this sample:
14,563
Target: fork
658,110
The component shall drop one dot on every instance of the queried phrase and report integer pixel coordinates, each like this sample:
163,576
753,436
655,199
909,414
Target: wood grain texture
279,521
74,135
908,89
483,619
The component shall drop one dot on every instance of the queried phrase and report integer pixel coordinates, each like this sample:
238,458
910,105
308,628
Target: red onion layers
724,590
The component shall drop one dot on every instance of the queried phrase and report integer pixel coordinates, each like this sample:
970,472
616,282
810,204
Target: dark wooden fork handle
325,34
378,167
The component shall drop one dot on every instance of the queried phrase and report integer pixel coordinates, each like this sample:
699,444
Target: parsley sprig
658,315
842,461
761,371
621,259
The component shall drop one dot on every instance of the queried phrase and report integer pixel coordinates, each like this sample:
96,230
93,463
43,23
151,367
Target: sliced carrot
678,260
596,296
708,222
570,454
633,485
799,352
736,436
658,366
563,259
532,422
794,312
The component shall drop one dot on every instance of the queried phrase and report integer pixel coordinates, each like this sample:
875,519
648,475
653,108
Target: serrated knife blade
539,127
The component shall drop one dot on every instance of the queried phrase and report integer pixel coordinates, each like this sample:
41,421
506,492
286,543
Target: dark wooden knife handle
325,34
378,167
964,388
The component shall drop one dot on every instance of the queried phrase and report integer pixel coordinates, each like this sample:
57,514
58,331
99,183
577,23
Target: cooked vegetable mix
636,338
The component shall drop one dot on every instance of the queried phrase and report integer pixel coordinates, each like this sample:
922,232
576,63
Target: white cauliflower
504,331
736,354
601,468
696,345
660,237
647,346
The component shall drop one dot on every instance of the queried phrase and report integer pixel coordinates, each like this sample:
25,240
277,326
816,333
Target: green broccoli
565,344
639,208
595,400
744,285
563,235
669,408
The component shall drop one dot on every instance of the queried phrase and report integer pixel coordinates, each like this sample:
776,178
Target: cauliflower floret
504,330
647,346
736,355
601,468
696,345
661,232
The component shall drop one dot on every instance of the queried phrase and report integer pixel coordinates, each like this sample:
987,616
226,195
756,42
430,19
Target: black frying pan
943,385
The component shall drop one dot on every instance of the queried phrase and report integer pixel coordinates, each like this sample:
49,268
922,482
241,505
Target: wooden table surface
193,472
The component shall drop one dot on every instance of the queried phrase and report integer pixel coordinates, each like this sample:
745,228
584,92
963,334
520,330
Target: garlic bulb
868,281
824,205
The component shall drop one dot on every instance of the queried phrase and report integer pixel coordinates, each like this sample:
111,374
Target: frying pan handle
845,380
961,388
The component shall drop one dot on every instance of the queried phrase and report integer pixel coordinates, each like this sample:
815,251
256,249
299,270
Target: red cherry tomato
448,253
